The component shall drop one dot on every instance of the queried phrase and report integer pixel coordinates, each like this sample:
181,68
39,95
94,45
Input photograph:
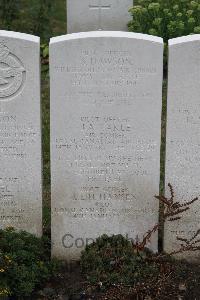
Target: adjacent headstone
183,136
20,132
106,95
89,15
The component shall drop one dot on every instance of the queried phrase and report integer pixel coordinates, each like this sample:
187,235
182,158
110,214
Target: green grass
58,27
59,24
46,135
162,162
163,138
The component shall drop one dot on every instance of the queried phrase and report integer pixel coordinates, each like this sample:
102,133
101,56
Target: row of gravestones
106,101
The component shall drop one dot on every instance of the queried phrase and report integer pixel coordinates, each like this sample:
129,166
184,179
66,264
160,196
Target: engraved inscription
15,137
107,149
12,74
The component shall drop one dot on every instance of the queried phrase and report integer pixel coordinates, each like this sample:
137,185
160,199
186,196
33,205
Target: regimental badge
12,74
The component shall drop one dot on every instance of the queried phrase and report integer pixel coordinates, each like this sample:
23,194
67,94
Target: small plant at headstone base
117,261
24,263
111,260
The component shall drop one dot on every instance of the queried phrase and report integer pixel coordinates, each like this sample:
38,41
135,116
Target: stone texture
183,135
106,95
89,15
20,132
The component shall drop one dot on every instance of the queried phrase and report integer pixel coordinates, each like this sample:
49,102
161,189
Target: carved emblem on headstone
12,73
100,7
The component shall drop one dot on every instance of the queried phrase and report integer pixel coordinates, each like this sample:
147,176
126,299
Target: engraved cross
100,7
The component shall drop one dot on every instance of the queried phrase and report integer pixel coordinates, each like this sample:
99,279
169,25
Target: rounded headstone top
109,34
184,39
19,35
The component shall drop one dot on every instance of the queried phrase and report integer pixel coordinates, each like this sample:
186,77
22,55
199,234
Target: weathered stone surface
106,95
20,132
183,137
89,15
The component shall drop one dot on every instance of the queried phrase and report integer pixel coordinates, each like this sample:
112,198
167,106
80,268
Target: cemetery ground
176,280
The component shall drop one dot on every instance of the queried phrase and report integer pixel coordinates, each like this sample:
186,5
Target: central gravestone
106,95
20,132
88,15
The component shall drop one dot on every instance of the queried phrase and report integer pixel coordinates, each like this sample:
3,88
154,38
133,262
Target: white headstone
106,94
20,132
183,136
89,15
